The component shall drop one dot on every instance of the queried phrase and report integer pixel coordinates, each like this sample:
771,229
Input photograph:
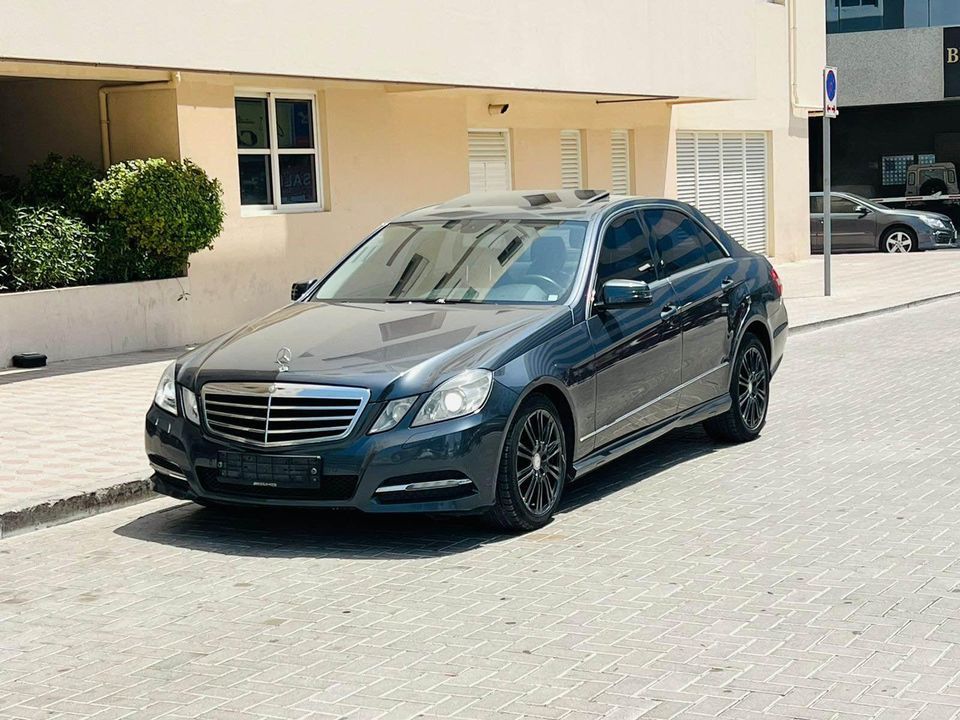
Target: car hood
392,349
921,214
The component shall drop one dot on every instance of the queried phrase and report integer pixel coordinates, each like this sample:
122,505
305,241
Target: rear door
702,276
816,223
637,351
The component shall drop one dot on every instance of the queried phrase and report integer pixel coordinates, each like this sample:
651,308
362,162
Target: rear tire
749,396
533,468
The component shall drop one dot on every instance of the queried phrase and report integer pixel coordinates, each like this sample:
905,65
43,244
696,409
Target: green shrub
165,209
41,248
63,182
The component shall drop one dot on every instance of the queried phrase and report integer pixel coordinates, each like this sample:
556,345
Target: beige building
326,119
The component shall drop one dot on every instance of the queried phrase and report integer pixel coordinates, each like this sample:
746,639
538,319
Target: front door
703,276
853,226
637,348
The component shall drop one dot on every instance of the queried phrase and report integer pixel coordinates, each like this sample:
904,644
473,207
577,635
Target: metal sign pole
826,205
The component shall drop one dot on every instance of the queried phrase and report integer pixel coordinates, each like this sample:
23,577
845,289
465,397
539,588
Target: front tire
533,468
899,240
749,395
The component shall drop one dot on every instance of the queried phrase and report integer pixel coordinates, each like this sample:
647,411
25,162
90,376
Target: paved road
812,574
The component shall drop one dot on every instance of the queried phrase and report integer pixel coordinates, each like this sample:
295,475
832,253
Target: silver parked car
861,225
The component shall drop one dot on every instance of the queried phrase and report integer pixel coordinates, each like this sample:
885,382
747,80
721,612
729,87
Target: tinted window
816,203
678,240
625,252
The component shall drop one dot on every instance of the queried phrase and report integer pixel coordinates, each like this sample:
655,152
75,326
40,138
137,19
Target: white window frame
509,142
274,152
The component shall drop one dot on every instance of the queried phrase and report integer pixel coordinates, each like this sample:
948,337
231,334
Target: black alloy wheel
533,468
749,396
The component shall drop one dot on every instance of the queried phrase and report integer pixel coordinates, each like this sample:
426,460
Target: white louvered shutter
756,192
619,162
724,175
489,152
571,173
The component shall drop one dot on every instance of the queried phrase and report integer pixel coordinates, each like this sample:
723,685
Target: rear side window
625,253
681,243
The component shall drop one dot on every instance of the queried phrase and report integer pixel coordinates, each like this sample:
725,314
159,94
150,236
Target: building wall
888,66
773,112
42,116
453,42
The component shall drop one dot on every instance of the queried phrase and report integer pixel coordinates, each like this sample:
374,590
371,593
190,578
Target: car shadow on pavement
286,533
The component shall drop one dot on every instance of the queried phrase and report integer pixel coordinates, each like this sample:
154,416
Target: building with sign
323,127
899,62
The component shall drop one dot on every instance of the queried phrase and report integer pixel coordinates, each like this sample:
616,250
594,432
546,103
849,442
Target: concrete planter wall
94,320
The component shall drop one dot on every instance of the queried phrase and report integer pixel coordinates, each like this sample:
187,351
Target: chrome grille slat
284,413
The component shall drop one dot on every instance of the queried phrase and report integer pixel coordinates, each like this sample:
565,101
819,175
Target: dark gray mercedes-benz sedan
475,357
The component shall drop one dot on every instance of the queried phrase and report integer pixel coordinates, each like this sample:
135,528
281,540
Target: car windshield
465,261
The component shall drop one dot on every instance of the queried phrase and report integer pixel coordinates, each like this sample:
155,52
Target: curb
820,324
75,507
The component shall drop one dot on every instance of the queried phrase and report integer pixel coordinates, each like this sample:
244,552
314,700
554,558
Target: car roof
525,205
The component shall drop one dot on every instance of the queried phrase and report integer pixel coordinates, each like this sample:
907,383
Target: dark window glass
298,182
253,130
255,185
625,253
678,240
294,124
711,250
816,203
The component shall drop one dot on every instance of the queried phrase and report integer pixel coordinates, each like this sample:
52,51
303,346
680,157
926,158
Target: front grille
277,414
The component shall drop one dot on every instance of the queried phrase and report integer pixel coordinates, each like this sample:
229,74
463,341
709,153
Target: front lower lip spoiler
427,485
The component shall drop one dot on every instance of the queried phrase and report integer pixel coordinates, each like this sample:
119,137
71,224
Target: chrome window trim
283,389
657,399
639,207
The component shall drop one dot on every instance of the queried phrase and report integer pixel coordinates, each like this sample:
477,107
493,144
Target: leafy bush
165,209
63,182
40,247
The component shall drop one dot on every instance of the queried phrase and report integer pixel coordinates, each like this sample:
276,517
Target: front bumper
931,238
450,466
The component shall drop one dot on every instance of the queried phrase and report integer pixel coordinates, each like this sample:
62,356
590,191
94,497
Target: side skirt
629,443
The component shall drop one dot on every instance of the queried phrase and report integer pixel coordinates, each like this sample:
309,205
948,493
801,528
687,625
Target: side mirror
299,288
619,293
862,211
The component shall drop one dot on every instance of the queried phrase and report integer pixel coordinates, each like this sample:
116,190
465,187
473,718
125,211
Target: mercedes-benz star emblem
283,359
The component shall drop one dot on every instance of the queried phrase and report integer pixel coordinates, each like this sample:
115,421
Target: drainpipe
106,90
794,70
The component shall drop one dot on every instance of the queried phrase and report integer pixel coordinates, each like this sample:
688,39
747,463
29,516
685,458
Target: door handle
668,312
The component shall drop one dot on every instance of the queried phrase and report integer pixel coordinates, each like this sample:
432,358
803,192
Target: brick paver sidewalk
76,427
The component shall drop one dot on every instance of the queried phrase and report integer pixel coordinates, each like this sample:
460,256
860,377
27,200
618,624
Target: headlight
461,395
166,396
392,414
191,411
934,222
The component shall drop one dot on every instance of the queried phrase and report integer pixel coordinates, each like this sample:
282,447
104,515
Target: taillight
775,279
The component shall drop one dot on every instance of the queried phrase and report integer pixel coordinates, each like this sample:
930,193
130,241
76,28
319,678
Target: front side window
462,261
681,243
842,205
277,150
625,253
